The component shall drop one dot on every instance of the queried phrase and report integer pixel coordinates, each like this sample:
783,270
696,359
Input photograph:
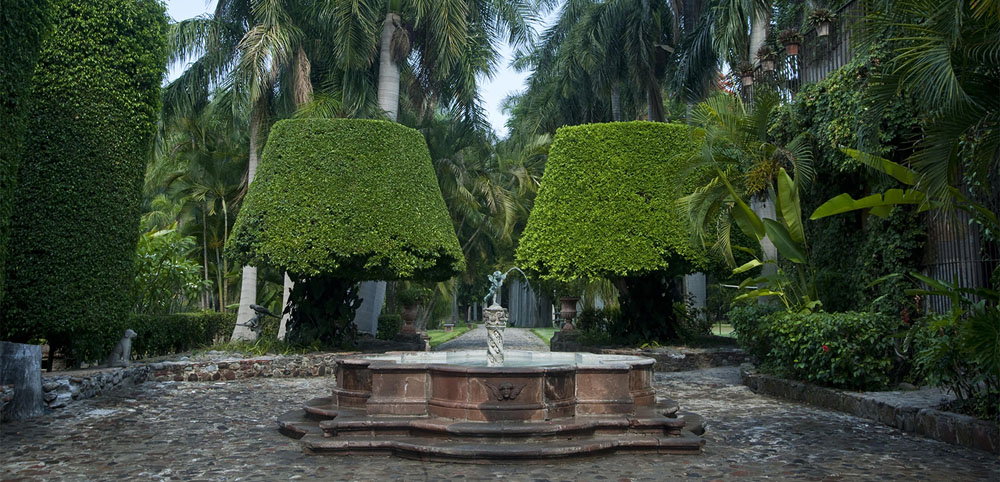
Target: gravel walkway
227,431
513,339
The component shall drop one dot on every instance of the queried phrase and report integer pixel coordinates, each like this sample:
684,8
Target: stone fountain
497,405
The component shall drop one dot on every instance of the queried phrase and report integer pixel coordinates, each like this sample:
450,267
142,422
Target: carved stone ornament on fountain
496,320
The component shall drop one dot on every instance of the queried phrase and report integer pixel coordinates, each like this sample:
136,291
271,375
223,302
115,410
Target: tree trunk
303,81
286,292
248,283
758,34
204,252
654,99
764,209
616,102
388,72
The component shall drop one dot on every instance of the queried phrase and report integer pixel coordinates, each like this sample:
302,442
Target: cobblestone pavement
227,431
513,339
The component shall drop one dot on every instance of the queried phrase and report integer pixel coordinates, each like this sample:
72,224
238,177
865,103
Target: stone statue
257,322
496,281
120,355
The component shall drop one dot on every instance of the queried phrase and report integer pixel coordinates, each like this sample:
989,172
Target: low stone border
59,391
317,365
63,388
890,408
668,358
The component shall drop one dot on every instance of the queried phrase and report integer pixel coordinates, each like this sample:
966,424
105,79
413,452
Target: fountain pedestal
495,317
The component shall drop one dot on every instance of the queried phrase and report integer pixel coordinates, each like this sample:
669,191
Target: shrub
336,201
351,198
749,322
95,100
23,24
166,334
606,209
845,350
388,326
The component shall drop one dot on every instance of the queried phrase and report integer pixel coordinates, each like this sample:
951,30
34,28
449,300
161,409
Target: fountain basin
530,386
451,406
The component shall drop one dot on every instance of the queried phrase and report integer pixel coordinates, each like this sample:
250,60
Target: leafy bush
845,350
606,204
388,326
166,334
749,322
24,23
95,101
351,198
166,279
606,209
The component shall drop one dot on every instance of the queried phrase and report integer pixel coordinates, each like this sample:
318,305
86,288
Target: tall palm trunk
654,99
204,252
303,92
758,34
248,284
372,293
616,102
388,71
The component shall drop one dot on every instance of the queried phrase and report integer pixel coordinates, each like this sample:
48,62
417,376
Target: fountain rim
397,361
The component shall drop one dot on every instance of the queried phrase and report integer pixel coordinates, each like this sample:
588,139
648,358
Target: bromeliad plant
738,162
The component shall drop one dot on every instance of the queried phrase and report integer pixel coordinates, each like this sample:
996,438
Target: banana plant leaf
878,204
900,172
790,207
782,240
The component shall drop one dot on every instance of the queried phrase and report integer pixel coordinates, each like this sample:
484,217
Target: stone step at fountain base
325,429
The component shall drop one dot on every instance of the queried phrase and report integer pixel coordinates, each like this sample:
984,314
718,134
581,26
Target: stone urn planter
767,65
792,48
568,311
409,315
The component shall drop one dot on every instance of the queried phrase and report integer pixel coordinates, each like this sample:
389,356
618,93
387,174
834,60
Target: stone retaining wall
883,407
238,368
61,390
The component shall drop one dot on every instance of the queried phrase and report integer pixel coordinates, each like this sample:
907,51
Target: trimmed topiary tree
606,209
23,24
337,201
94,106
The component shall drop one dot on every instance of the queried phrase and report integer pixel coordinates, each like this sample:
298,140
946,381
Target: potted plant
766,56
410,299
822,18
745,71
791,38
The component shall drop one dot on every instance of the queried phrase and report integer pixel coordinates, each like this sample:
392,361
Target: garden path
227,431
513,339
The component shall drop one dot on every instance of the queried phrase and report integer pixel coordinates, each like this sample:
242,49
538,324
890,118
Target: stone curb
952,428
60,390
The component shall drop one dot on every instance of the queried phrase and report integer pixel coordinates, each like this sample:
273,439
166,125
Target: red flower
826,348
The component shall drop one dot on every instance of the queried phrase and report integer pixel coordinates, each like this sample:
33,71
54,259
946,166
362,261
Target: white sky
506,81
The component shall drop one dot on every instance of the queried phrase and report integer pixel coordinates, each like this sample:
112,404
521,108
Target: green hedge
355,199
606,206
388,326
845,350
166,334
23,24
95,100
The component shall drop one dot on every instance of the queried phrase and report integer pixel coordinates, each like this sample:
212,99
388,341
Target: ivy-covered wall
95,100
841,111
23,24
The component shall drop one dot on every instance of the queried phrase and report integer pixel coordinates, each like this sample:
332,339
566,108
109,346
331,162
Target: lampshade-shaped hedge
606,206
348,198
606,209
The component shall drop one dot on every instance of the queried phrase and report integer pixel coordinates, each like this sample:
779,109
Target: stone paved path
513,339
226,431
